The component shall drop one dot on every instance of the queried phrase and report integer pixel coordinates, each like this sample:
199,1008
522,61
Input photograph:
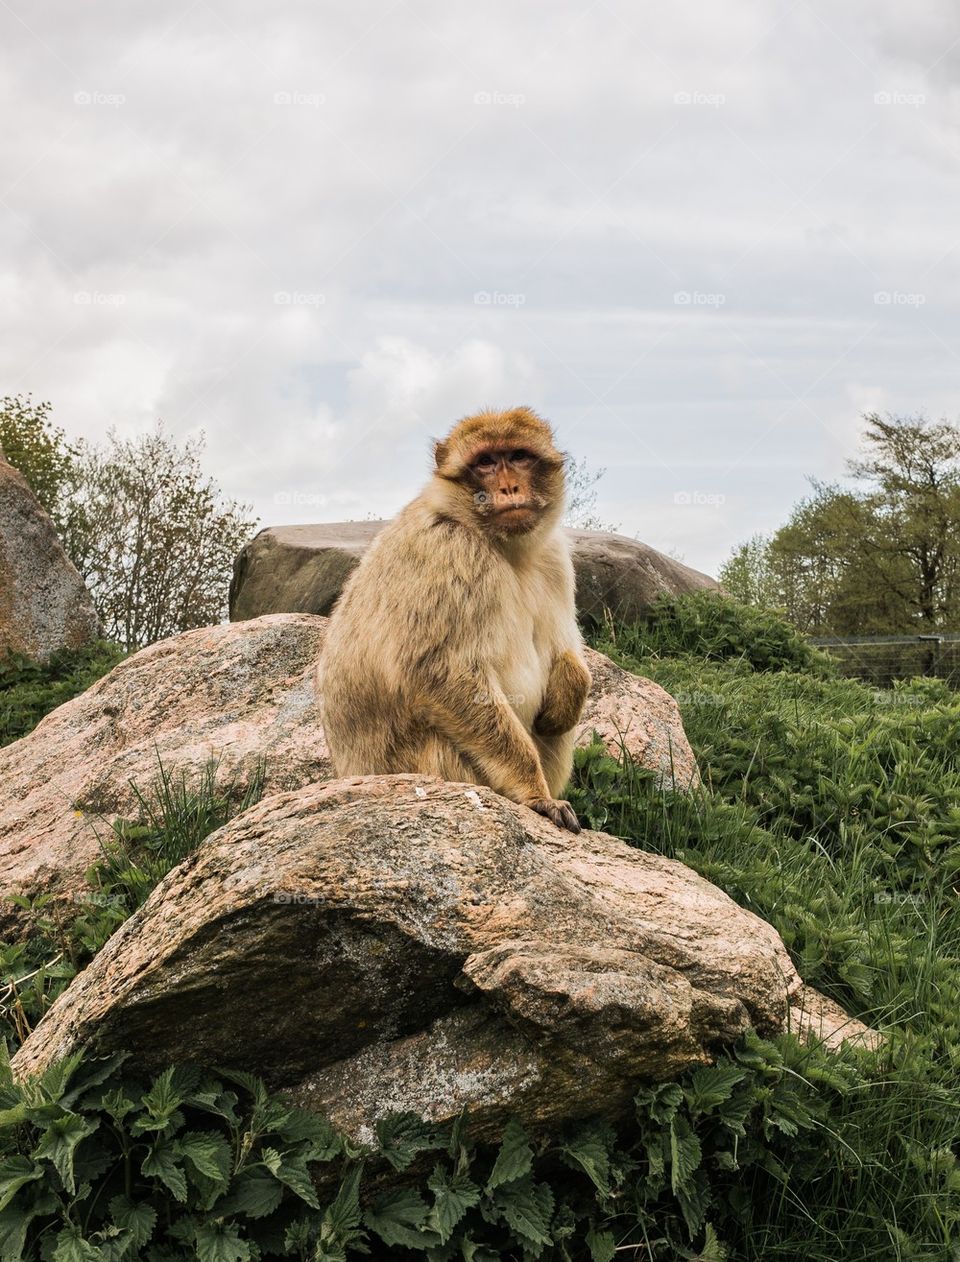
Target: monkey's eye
483,464
520,457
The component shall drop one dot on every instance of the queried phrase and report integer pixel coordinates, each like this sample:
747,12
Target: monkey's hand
567,689
558,812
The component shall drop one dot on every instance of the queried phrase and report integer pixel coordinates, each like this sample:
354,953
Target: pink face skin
504,477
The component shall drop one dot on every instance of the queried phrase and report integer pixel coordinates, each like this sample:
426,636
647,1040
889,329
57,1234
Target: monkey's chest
522,662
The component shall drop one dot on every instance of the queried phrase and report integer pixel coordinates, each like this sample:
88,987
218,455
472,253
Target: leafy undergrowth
29,690
97,1162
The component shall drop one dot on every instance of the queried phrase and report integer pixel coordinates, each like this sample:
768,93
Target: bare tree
582,498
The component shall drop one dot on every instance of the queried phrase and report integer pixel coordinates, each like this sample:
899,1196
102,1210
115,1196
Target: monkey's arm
567,689
471,711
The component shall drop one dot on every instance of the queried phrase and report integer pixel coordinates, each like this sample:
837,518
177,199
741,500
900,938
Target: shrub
29,690
713,627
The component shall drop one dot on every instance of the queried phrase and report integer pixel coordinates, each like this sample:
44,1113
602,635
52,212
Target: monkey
454,648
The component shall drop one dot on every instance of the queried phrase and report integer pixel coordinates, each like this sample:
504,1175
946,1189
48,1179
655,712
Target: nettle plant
96,1163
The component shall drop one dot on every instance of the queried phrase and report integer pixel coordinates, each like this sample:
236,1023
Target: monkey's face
506,468
506,494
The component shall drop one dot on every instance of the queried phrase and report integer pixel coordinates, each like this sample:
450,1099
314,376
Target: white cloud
383,163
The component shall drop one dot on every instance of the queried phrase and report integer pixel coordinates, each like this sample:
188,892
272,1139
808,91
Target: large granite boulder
44,605
242,695
387,943
302,569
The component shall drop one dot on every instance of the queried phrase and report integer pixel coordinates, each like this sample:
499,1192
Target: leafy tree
38,449
152,536
914,553
747,574
884,556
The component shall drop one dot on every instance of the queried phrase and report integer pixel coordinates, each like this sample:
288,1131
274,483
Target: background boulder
44,604
397,942
302,569
244,695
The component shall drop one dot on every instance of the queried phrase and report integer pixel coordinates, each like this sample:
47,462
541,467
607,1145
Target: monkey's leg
567,688
473,714
556,758
440,757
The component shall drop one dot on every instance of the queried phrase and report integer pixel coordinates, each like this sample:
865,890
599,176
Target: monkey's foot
558,812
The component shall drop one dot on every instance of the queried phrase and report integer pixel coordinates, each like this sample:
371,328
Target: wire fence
880,659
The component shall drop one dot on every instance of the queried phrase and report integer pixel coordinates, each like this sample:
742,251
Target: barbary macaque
454,649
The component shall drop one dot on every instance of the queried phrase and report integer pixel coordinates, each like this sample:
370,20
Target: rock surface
241,693
294,569
44,605
397,942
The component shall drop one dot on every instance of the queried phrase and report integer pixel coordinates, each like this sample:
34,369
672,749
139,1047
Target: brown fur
454,649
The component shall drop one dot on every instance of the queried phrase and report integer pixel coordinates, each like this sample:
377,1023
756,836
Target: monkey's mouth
516,518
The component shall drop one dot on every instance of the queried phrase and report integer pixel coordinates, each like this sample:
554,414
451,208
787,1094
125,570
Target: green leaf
294,1173
249,1082
470,1251
71,1247
254,1192
685,1153
655,1146
210,1097
59,1143
341,1221
14,1225
713,1250
398,1218
401,1136
453,1196
710,1085
207,1152
53,1081
14,1116
515,1158
139,1219
527,1208
163,1163
162,1103
220,1242
91,1073
660,1102
297,1237
591,1152
323,1141
733,1113
184,1080
602,1246
116,1104
14,1173
269,1116
694,1200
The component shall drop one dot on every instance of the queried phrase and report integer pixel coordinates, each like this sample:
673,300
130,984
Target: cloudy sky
701,238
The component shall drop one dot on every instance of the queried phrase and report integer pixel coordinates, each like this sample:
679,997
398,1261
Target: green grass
29,690
831,810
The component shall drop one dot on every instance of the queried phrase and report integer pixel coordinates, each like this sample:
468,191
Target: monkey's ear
439,452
